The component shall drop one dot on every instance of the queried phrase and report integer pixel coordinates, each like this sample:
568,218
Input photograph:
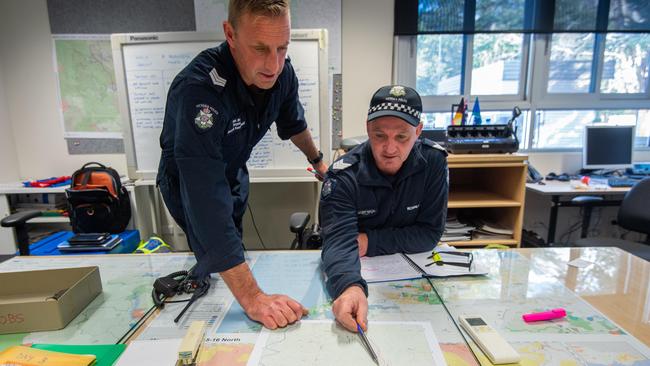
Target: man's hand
350,308
273,311
321,169
362,240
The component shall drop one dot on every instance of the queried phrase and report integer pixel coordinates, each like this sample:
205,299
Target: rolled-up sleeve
204,189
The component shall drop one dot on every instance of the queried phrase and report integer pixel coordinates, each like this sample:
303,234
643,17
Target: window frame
533,84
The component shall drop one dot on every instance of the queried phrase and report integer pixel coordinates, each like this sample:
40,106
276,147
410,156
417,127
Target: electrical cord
250,210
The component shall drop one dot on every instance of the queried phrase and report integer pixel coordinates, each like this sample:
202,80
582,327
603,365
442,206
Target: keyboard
616,182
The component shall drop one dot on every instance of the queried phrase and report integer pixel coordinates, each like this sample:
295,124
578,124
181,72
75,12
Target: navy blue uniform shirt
211,125
404,213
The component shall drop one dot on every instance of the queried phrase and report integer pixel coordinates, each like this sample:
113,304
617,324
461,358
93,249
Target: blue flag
476,113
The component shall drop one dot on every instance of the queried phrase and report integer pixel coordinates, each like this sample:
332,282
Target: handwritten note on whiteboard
150,70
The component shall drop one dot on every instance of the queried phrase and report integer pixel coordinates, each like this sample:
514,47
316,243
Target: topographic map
87,89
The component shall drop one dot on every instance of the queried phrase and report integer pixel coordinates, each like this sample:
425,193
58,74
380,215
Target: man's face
259,47
391,140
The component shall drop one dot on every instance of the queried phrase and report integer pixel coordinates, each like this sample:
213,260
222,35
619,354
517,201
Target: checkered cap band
395,107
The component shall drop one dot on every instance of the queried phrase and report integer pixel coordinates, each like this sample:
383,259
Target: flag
476,113
459,116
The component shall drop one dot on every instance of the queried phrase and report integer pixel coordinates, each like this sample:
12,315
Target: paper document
391,267
163,352
21,355
323,342
397,267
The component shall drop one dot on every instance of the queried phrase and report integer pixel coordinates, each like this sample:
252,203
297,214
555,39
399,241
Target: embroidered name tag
366,212
236,124
411,208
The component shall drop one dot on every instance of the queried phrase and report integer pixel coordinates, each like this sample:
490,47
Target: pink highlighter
545,315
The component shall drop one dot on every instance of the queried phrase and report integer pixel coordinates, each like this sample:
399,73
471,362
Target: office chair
309,238
19,222
633,215
306,238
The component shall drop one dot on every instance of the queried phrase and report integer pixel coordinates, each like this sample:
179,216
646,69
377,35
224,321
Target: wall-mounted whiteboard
145,66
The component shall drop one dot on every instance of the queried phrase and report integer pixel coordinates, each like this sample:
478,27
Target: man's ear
418,129
229,32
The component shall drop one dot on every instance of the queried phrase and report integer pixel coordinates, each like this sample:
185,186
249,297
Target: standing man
218,108
387,195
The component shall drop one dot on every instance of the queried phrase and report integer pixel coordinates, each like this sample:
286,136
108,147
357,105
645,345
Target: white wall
8,159
31,93
367,50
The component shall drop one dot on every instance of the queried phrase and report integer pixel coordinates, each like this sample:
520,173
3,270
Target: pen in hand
365,341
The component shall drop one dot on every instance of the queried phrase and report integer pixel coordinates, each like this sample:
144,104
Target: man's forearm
241,283
305,143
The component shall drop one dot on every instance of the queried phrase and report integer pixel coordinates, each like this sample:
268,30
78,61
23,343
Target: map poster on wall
87,90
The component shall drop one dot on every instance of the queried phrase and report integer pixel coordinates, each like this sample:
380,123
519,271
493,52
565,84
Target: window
571,63
565,63
439,61
563,129
496,64
625,65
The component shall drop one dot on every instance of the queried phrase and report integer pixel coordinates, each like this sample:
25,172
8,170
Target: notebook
397,267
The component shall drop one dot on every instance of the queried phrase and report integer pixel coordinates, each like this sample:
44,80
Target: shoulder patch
433,144
205,117
328,188
217,79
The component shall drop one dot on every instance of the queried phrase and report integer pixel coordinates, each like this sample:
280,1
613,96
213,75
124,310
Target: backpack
97,201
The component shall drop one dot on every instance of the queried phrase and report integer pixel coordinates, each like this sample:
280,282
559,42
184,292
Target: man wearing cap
387,195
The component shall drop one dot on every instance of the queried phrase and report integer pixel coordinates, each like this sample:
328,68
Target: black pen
364,340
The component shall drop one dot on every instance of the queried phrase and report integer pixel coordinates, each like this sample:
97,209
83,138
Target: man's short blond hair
270,8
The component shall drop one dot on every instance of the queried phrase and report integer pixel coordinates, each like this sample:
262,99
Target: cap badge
397,91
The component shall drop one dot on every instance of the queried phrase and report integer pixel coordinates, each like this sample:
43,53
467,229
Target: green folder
106,354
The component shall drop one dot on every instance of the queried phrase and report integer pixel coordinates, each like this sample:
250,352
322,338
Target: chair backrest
634,213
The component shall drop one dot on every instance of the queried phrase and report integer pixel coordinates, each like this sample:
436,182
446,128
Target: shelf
467,198
483,242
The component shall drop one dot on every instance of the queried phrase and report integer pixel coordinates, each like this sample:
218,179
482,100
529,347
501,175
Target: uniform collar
369,175
243,94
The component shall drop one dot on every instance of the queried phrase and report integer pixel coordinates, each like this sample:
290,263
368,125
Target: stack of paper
490,230
456,230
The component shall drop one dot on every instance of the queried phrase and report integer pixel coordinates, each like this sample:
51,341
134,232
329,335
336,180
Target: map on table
323,342
126,295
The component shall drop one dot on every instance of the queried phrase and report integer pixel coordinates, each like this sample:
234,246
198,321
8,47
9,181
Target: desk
557,189
603,299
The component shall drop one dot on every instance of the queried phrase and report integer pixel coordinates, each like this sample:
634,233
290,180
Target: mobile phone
89,238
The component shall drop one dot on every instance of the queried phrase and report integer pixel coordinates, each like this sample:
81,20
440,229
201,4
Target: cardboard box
46,299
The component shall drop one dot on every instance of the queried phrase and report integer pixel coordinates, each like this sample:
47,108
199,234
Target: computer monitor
607,147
